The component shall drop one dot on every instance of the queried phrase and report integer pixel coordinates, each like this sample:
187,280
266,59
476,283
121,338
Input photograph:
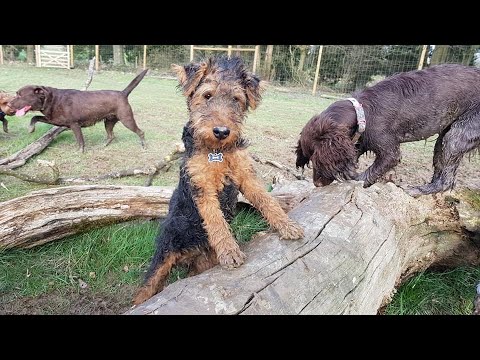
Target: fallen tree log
52,214
359,245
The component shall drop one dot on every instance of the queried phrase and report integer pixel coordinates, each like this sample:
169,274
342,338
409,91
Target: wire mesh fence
341,69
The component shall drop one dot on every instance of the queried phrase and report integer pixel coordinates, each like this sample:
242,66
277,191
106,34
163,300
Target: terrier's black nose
221,132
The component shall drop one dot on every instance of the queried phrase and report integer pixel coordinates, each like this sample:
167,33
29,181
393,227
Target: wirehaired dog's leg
385,160
219,236
462,137
206,260
256,193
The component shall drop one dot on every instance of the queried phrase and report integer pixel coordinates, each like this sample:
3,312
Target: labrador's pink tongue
22,111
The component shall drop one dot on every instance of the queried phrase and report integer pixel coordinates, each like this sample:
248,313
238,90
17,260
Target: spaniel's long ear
334,156
302,159
254,88
189,76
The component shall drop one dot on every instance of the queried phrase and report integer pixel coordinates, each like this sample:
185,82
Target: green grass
472,197
160,111
437,293
246,224
102,258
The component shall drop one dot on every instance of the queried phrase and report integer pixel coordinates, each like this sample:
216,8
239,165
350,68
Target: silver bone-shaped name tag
215,157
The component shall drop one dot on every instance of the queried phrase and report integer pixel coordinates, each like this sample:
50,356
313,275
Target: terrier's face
5,104
219,92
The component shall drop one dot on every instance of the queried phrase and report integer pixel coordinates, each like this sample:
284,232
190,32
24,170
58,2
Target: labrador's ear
40,90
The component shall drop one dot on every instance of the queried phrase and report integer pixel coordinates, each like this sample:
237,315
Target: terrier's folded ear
189,76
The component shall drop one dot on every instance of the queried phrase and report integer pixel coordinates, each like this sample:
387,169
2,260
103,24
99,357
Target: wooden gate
56,56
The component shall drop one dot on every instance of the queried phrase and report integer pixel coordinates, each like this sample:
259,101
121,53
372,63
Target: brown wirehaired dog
76,109
216,165
410,106
5,109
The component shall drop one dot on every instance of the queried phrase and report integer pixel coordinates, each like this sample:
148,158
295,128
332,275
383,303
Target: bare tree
118,55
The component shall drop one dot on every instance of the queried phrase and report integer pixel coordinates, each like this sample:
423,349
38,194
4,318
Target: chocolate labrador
76,109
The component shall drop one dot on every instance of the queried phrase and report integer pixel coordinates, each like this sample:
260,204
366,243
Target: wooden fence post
71,56
256,56
144,57
422,57
38,57
317,70
97,56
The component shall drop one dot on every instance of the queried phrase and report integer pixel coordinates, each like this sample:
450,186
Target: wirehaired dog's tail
134,83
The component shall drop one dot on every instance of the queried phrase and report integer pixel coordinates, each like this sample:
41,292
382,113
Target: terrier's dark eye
236,99
207,95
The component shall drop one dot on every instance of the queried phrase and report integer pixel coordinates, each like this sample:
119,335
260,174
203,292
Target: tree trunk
303,55
52,214
118,57
268,62
440,54
30,56
359,244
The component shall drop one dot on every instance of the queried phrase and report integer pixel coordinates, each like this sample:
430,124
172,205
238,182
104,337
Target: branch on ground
278,166
150,170
34,178
20,158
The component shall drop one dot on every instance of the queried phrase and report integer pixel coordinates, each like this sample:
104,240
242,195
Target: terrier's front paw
291,231
231,258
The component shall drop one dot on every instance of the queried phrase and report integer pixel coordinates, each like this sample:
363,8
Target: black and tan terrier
215,167
5,109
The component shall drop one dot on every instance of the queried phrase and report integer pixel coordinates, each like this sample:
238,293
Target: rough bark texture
359,244
52,214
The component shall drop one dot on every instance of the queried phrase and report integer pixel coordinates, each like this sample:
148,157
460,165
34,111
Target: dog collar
361,121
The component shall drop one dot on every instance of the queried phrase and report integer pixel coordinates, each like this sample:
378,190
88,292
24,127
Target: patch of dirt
71,302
